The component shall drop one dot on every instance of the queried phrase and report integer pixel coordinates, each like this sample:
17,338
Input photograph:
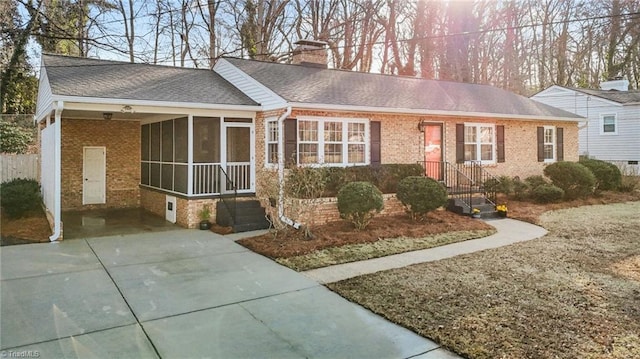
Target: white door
95,178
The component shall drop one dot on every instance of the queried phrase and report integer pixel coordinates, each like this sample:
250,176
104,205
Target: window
608,124
332,142
479,142
272,141
549,144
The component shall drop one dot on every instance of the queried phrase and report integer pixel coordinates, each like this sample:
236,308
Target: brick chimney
617,83
310,53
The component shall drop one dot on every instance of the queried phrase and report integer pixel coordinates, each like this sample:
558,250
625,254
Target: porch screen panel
167,176
144,173
155,175
155,141
167,141
144,142
181,139
180,178
206,139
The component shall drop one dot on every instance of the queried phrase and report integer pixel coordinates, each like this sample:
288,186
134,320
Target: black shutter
290,141
460,143
560,143
540,144
500,140
374,133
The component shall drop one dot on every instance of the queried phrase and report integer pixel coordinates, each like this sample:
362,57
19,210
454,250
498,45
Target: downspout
281,161
57,128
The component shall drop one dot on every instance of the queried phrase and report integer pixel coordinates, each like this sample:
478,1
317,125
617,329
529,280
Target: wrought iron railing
230,196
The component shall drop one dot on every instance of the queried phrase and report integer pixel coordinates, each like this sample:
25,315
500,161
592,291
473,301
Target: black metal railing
229,195
463,180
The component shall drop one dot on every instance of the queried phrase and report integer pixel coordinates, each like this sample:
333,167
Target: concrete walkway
509,231
180,294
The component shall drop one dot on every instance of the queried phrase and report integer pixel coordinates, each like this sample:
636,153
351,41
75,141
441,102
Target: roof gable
310,85
83,77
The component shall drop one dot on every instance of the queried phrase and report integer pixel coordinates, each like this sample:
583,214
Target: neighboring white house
612,130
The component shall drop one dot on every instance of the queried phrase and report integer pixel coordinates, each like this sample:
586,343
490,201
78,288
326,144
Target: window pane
486,134
144,173
469,134
180,128
144,142
155,141
180,180
356,132
308,130
333,131
308,153
155,175
206,143
609,124
548,135
470,152
272,155
167,177
548,152
487,152
167,141
272,131
333,153
609,128
356,153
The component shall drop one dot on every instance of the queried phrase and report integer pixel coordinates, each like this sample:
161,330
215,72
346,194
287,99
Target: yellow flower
501,208
476,211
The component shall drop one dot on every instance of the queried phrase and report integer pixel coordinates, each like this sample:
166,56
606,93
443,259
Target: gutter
57,173
281,162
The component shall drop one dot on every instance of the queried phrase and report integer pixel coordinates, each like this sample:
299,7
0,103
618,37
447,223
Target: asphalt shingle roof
623,97
82,77
305,84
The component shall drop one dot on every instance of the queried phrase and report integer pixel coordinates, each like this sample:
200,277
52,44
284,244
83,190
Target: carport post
57,177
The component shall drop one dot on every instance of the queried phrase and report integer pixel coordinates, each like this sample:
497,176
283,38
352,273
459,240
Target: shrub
535,181
359,202
385,177
575,179
305,182
421,195
629,183
547,193
505,185
608,175
20,196
335,178
389,175
520,189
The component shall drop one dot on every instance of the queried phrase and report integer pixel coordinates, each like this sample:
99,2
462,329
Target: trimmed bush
305,182
421,195
359,202
520,189
608,175
20,196
575,179
547,193
535,181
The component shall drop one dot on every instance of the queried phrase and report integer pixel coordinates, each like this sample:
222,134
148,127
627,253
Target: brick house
171,140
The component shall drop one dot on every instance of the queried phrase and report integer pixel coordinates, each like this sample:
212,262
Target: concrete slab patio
180,293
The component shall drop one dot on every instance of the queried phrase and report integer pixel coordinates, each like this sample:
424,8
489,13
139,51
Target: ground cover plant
572,294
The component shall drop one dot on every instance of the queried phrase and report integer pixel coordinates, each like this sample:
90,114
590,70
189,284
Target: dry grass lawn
572,294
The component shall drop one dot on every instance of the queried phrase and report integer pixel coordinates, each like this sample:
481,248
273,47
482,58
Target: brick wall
326,209
122,142
187,211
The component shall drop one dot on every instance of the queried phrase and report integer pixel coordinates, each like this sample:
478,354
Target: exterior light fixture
107,115
422,125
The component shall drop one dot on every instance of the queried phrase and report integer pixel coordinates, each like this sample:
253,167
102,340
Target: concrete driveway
180,294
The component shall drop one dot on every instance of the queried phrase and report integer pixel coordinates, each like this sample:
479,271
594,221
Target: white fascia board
546,91
422,112
247,85
573,92
153,104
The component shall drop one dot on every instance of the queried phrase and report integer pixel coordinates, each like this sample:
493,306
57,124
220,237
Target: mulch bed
32,228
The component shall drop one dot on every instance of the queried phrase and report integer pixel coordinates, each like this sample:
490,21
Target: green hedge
608,175
20,196
576,180
359,202
421,195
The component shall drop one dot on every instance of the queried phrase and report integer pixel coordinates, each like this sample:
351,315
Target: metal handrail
231,207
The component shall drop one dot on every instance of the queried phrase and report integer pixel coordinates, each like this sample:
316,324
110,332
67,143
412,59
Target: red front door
433,150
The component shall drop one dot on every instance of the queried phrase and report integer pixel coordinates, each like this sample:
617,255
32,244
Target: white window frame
267,142
479,143
615,124
553,143
345,140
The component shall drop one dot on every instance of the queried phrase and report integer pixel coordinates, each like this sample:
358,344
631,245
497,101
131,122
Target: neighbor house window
272,141
479,142
608,124
333,142
549,143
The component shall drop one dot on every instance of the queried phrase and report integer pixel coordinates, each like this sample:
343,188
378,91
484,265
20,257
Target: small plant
359,202
305,182
205,213
421,195
547,193
502,210
20,196
629,184
608,175
575,179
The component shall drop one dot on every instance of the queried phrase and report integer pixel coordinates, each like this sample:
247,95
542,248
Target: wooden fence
19,166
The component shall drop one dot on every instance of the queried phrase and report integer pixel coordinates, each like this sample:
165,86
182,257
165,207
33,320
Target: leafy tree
13,138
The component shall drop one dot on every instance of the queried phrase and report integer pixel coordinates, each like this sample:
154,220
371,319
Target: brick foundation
326,209
187,211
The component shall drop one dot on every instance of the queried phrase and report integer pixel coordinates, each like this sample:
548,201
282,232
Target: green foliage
520,189
547,193
535,181
421,195
19,196
608,175
305,182
387,176
575,179
13,138
359,202
629,183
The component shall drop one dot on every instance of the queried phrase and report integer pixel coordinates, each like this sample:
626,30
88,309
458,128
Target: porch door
433,151
94,175
239,155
